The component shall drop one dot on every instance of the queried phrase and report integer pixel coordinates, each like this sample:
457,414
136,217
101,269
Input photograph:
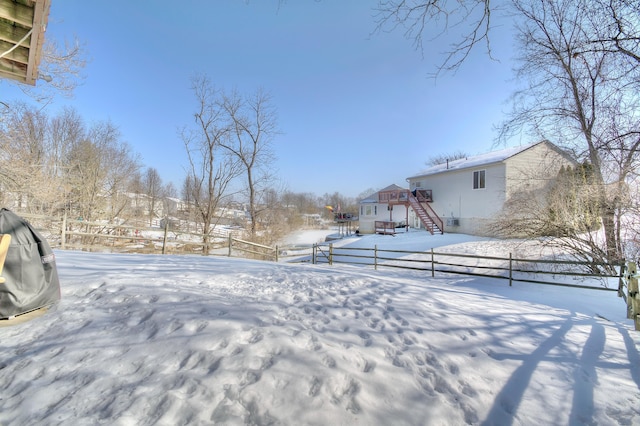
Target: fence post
510,269
276,253
375,257
63,235
633,299
230,241
314,249
164,239
621,279
433,270
331,254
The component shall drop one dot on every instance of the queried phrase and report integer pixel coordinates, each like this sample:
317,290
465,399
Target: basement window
478,179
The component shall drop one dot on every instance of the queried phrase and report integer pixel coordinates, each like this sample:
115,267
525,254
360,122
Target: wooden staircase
427,216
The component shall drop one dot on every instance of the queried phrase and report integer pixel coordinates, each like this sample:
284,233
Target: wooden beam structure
22,27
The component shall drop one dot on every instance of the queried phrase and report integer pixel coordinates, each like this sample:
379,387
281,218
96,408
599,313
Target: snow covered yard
170,340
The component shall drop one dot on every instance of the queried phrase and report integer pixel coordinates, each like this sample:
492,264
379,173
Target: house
468,193
174,205
376,208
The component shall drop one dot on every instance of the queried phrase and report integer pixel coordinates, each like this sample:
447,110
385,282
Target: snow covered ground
177,340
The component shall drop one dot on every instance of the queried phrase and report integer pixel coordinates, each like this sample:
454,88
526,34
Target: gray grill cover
30,269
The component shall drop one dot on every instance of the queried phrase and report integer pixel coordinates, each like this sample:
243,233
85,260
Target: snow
475,161
171,340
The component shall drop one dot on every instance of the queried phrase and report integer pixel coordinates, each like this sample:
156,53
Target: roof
22,27
482,159
373,198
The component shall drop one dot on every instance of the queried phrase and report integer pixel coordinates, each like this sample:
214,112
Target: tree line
56,164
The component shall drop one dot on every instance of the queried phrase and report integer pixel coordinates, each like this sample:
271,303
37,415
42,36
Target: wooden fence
79,234
83,235
630,281
567,273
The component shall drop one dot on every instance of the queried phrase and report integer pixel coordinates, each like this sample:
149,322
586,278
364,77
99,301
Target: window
369,210
478,179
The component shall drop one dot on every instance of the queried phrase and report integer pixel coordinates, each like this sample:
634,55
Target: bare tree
59,72
276,219
100,168
252,122
211,169
433,19
367,193
169,190
615,28
445,158
339,204
186,192
66,130
585,98
613,25
566,208
120,164
26,170
152,184
579,62
169,196
138,196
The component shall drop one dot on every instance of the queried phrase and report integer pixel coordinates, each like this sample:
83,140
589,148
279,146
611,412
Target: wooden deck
418,200
385,227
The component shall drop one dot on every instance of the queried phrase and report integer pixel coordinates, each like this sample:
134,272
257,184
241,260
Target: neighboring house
142,204
468,193
375,208
175,205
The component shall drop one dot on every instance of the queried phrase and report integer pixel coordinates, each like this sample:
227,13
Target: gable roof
483,159
22,27
373,198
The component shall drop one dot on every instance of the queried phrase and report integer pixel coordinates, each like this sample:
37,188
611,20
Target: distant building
375,208
467,193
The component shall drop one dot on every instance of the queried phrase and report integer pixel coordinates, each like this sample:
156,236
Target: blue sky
356,110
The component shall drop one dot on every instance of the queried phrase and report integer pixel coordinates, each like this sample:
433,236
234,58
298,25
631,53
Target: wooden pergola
22,27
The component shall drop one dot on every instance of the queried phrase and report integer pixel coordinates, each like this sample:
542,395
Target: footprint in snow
366,338
174,326
344,392
314,386
313,344
254,336
364,365
329,361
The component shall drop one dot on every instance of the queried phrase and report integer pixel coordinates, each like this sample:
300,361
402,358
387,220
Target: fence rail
512,269
98,236
85,235
261,251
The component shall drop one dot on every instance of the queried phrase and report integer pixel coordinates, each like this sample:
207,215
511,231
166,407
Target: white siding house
372,210
469,192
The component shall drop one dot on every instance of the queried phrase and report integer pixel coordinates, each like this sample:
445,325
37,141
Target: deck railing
402,196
